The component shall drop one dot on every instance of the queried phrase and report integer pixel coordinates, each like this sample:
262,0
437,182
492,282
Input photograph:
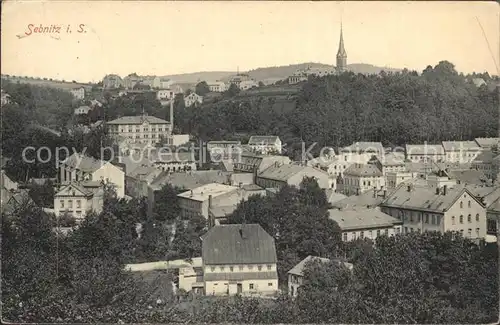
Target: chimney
444,189
210,201
437,190
172,114
409,188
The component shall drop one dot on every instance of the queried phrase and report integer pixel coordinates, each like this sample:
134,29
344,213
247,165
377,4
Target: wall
371,233
474,209
115,176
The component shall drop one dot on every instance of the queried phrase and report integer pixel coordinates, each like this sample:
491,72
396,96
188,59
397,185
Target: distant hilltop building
112,81
303,74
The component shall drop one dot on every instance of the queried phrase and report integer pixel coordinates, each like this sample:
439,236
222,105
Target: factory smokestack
172,113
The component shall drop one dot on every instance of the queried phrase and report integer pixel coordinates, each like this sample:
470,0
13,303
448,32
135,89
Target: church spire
341,54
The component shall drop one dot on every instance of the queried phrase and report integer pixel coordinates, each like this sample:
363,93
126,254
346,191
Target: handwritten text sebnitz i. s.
54,29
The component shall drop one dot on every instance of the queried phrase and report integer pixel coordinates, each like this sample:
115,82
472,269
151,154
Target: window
370,234
345,236
362,234
461,204
160,129
70,204
438,220
145,129
270,284
468,204
411,217
378,232
212,269
433,219
387,232
222,268
241,267
251,286
231,269
259,267
406,230
78,204
469,232
477,232
477,217
469,218
453,220
61,203
461,219
250,267
462,232
269,267
426,218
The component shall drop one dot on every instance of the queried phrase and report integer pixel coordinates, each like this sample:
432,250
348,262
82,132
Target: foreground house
239,259
360,178
296,274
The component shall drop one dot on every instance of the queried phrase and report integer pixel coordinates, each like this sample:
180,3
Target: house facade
461,151
78,199
79,168
78,93
265,144
192,99
112,81
250,162
165,94
278,176
359,223
82,110
140,129
198,200
217,86
360,178
446,208
239,259
174,162
425,152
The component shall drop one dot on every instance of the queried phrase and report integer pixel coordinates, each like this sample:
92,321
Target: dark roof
425,198
138,120
363,170
224,244
470,176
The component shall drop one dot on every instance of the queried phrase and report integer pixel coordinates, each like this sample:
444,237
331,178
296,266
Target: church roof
341,52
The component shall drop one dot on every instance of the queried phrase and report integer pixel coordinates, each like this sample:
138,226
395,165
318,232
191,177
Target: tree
232,91
202,88
43,195
261,84
187,241
167,204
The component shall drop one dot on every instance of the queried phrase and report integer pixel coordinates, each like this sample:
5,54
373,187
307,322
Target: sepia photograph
250,162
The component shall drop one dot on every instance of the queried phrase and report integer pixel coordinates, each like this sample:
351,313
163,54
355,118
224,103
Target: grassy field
48,83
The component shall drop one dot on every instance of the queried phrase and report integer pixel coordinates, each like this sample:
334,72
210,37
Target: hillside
59,84
272,74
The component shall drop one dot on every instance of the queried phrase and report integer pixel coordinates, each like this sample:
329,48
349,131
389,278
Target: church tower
341,54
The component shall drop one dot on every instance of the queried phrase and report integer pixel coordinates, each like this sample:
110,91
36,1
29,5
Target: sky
162,38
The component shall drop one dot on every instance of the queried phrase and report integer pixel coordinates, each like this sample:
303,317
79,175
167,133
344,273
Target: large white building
192,99
265,144
217,86
239,259
461,151
140,129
